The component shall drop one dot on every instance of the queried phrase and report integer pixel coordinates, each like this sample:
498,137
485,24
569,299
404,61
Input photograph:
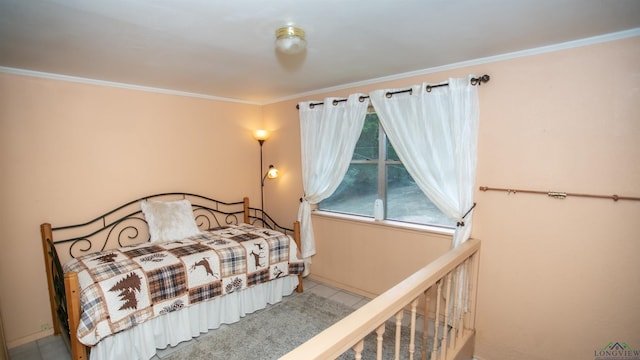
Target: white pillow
169,220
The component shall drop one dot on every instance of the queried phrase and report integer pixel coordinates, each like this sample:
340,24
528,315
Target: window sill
386,223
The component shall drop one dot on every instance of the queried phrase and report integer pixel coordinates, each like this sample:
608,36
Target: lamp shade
290,40
261,135
272,173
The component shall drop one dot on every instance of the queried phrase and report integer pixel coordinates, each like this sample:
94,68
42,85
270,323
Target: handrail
341,336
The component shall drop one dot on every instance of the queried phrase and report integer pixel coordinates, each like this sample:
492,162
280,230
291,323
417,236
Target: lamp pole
261,141
261,136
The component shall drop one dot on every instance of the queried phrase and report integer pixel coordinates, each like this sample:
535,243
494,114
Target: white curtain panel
435,136
328,135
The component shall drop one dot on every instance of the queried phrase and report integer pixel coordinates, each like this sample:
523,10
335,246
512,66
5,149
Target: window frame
382,163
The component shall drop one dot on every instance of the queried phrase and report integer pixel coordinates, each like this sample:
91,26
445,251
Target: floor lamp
272,172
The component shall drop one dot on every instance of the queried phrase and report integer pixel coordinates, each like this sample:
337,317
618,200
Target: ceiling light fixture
290,40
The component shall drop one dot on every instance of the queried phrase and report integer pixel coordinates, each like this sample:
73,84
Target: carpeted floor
274,331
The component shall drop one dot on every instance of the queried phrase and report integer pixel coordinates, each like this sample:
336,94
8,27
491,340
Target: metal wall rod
474,81
559,194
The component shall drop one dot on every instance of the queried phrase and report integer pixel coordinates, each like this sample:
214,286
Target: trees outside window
376,172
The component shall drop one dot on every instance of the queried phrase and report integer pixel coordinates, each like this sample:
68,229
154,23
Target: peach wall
373,257
70,151
558,278
283,150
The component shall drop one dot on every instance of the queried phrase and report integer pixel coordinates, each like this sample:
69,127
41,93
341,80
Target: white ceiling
226,48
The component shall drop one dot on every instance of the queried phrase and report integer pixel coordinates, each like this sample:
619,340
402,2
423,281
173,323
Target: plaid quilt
126,286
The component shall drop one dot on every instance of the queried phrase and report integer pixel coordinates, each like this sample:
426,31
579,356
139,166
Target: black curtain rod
474,81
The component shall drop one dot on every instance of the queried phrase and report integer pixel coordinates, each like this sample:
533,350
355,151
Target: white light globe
290,40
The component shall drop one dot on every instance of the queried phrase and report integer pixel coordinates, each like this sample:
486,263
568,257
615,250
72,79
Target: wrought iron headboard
126,225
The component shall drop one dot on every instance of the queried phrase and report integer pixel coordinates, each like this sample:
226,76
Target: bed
163,269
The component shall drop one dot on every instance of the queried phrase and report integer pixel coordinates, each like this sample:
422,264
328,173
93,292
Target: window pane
391,152
406,202
357,192
367,146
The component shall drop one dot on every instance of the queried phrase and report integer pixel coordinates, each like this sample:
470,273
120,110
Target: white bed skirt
141,341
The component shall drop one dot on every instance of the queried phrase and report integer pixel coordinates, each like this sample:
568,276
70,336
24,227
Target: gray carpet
270,333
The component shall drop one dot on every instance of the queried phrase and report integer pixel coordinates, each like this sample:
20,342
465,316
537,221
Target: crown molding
82,80
507,56
512,55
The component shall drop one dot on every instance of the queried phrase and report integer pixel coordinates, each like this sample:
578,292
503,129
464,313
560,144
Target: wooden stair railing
446,287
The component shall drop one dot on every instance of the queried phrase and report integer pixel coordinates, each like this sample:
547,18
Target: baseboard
30,338
342,286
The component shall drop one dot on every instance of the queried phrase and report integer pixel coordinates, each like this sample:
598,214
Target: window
376,172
